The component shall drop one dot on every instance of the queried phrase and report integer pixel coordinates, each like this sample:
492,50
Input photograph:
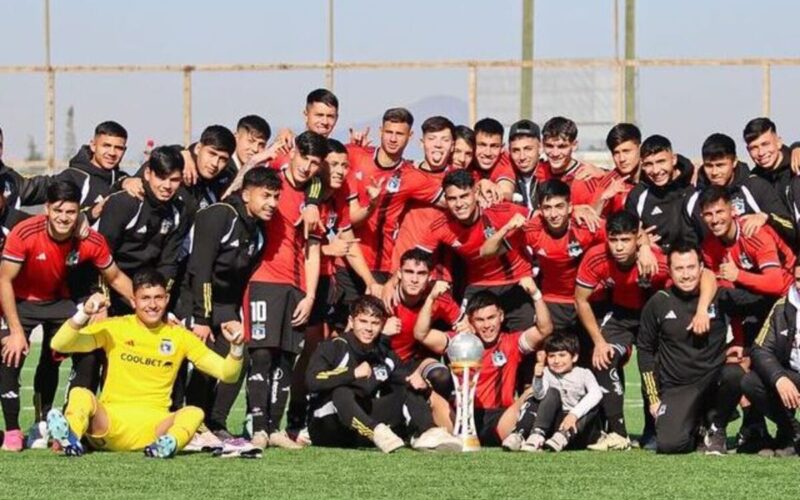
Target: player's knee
752,386
674,443
80,395
192,413
440,380
552,396
732,375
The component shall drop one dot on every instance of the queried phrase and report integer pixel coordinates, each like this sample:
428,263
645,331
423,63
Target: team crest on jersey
393,185
738,205
330,225
167,347
72,258
488,232
381,373
259,331
499,358
251,249
574,249
712,311
643,282
745,261
166,225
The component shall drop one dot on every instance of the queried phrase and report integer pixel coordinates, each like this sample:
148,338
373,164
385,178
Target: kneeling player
359,391
144,355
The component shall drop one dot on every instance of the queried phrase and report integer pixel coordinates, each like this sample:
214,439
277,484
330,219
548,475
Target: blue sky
684,104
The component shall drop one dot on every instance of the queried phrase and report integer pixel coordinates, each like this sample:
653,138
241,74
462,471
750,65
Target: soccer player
463,147
465,228
360,391
772,386
37,256
658,198
524,143
252,135
280,296
144,354
227,240
685,375
320,114
754,200
496,411
491,162
771,157
148,232
563,405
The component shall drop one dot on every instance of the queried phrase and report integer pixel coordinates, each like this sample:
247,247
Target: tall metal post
526,81
630,54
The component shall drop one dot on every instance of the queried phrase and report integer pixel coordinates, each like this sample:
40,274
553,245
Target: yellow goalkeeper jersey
142,362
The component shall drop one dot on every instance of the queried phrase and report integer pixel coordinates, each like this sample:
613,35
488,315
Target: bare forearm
9,305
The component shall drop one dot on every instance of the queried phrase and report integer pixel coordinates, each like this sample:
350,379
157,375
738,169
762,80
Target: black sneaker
715,443
753,439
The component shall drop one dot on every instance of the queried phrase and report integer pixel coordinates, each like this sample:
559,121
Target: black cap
524,127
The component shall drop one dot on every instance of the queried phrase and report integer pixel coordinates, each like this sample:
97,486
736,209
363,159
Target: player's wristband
537,296
80,317
237,351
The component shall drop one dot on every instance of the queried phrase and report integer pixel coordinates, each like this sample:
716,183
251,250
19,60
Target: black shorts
486,421
349,287
564,317
620,326
268,316
50,314
323,302
517,305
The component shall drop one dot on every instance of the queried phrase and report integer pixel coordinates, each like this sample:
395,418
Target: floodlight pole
630,54
50,95
329,73
526,79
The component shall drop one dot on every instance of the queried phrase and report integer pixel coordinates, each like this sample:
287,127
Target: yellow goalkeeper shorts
130,428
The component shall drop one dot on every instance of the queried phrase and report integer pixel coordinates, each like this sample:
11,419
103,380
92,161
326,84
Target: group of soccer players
329,279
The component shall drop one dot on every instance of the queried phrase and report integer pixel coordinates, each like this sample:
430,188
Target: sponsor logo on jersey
656,211
671,315
142,230
142,360
41,256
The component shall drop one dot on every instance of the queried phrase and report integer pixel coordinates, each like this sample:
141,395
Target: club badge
381,373
499,358
167,347
72,258
393,185
574,249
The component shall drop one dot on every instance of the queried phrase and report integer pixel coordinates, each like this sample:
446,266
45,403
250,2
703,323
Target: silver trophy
465,352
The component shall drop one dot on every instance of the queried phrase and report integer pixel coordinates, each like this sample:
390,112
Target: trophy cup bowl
465,352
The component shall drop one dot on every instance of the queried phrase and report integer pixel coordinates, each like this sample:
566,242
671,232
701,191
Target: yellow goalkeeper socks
81,407
187,421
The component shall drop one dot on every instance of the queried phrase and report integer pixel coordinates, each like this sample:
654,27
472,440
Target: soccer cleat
260,440
303,437
58,427
534,443
204,441
13,441
611,442
385,439
37,437
280,439
436,439
715,443
557,442
648,442
513,442
753,439
163,447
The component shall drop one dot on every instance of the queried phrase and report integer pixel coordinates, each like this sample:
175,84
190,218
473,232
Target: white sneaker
260,440
38,437
385,439
280,439
436,439
303,437
204,441
513,442
611,442
557,442
534,443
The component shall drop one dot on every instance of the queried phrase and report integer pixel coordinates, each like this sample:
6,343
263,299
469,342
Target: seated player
360,391
495,407
772,386
685,375
564,402
144,354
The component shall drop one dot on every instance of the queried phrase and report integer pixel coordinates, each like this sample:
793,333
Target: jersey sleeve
439,233
647,346
207,233
661,277
591,271
446,309
15,249
117,213
327,369
503,171
419,186
98,252
225,369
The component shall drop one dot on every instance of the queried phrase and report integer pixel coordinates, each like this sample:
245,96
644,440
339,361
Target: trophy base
470,443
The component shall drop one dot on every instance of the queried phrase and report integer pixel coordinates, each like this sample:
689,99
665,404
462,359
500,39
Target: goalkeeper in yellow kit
144,354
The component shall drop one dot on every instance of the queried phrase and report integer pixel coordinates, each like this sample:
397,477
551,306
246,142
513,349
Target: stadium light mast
329,73
630,54
50,95
526,82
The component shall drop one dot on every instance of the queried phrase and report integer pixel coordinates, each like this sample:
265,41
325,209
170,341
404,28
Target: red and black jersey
335,214
466,241
558,257
498,375
416,223
401,186
501,171
283,260
765,261
627,288
404,344
589,191
46,262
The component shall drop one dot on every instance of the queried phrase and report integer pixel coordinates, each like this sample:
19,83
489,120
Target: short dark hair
335,146
559,127
623,132
713,194
757,127
111,128
482,299
682,247
718,146
466,134
262,178
562,341
219,137
554,188
164,160
622,222
461,179
255,125
324,96
63,191
417,255
311,144
653,145
438,124
369,305
398,115
148,277
489,126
